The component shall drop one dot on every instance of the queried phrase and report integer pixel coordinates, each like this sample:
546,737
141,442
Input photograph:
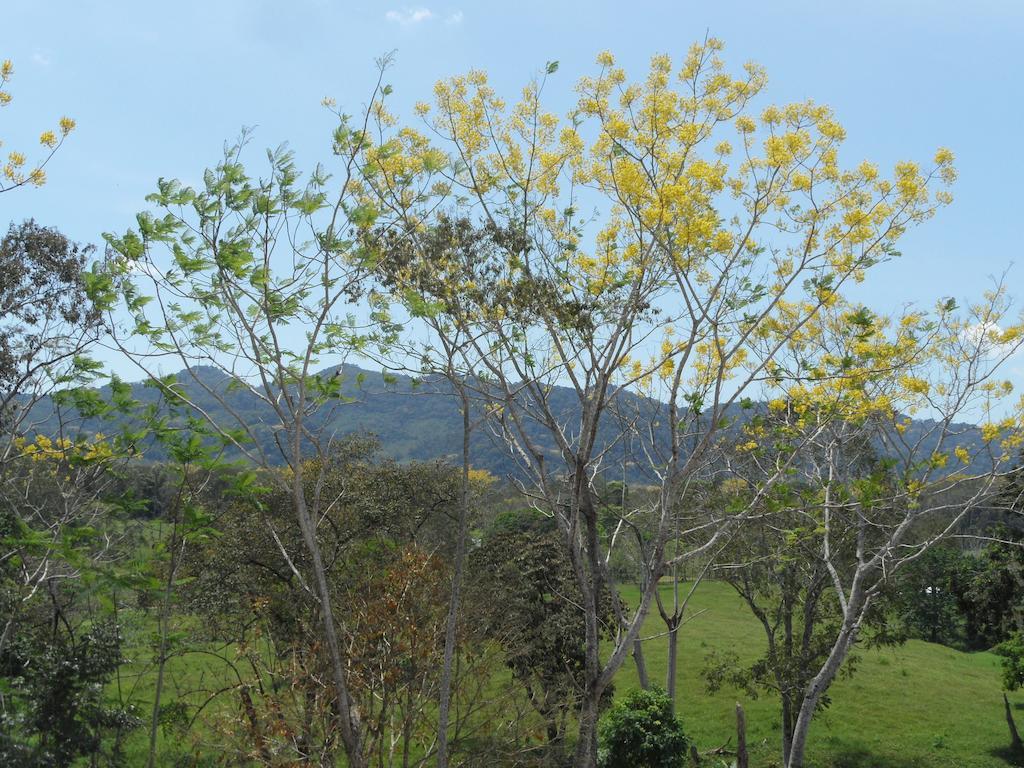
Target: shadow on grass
1008,755
855,757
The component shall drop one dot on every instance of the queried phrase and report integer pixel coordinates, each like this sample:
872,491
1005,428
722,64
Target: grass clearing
912,706
917,705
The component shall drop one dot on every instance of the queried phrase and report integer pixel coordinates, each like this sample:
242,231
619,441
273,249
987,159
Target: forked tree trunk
815,689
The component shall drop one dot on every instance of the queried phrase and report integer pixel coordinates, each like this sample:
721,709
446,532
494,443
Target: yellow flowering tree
52,517
873,419
48,476
18,171
639,244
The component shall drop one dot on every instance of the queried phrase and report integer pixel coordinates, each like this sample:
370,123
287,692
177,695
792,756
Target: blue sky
156,88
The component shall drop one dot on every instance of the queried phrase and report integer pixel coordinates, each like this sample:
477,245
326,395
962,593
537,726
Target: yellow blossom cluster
856,366
692,187
44,448
15,171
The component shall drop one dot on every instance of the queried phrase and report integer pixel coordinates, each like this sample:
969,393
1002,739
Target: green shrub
640,731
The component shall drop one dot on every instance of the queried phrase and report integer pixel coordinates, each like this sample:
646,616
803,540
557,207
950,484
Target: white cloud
40,59
986,335
453,18
407,17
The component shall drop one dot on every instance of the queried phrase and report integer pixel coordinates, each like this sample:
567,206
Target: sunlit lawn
914,705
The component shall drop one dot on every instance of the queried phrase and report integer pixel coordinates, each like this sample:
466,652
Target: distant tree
388,552
992,595
47,320
976,597
63,540
195,465
446,354
929,595
56,523
1012,652
58,650
528,600
54,710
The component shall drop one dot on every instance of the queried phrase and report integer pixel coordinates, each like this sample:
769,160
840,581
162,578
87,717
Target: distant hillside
412,421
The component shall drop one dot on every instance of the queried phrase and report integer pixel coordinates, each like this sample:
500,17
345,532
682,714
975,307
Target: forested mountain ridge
419,419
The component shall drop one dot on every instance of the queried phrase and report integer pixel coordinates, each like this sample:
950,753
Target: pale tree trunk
592,580
586,741
348,716
853,608
821,682
586,738
453,605
673,623
638,648
588,571
673,662
674,620
641,665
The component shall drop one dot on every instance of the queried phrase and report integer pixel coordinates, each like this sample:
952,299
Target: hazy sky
156,88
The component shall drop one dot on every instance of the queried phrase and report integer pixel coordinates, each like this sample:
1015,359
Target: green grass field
914,705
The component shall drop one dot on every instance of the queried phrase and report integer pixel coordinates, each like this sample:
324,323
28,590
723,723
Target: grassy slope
915,705
912,706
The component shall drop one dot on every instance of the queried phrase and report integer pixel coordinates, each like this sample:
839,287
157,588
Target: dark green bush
640,731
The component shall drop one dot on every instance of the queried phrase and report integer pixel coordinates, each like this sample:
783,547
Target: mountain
416,420
413,421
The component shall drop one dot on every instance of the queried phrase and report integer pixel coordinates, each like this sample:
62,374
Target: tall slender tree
251,283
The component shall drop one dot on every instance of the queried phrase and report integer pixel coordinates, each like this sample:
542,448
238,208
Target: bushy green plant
1012,651
640,731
